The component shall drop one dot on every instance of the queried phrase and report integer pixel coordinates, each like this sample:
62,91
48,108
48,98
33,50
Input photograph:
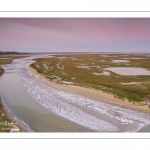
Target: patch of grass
3,62
1,71
3,121
7,59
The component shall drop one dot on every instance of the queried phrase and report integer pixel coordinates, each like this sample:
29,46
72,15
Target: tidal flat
93,71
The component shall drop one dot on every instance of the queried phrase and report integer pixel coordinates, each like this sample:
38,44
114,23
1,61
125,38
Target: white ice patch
52,67
102,60
86,112
74,58
105,55
61,57
97,67
103,73
60,67
66,82
53,76
120,61
38,66
83,67
45,66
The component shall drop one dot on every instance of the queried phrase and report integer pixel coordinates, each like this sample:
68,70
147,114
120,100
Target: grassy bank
6,124
3,62
7,59
89,70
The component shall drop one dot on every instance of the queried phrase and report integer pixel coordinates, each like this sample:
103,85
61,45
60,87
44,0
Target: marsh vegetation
7,59
90,70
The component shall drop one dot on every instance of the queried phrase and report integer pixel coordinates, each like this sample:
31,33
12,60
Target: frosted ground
86,112
81,110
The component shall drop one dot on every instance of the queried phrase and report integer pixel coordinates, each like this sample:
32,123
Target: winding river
46,108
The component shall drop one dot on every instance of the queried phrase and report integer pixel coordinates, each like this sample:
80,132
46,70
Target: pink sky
75,34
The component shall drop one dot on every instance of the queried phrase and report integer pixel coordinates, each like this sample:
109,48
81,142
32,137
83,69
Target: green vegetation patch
4,127
89,70
7,59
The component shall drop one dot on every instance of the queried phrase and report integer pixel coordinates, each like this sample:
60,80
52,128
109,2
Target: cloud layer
75,34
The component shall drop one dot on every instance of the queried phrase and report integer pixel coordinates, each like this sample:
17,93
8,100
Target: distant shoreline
2,54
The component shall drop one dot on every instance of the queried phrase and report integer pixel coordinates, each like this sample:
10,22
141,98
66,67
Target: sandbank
97,95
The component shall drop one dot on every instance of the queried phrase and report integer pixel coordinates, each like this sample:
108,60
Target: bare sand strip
95,95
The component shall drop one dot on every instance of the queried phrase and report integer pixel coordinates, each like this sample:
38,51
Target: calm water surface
25,108
120,61
129,71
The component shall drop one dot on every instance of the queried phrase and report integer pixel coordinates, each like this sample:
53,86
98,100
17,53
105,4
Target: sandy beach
96,95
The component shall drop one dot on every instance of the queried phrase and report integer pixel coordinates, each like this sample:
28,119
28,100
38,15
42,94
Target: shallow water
120,61
45,108
145,129
129,71
25,108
